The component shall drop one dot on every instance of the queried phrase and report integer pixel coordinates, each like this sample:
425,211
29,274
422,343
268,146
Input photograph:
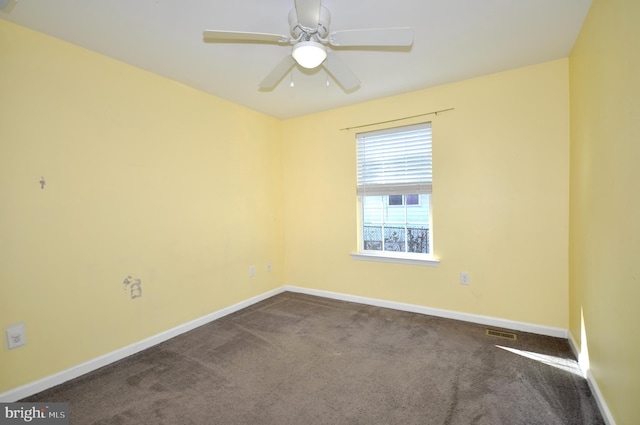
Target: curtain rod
399,119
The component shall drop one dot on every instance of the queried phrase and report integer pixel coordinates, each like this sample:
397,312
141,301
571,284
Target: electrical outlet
16,336
252,271
268,267
464,278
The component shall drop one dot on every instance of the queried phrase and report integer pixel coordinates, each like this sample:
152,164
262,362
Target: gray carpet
298,359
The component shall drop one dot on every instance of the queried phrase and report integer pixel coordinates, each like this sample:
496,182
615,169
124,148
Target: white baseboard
101,361
448,314
574,346
593,384
604,408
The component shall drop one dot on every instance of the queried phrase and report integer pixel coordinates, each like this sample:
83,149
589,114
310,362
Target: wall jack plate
16,336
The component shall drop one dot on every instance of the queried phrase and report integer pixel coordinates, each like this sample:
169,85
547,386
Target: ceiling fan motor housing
321,31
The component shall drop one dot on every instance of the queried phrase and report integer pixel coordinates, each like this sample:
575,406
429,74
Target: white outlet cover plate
16,336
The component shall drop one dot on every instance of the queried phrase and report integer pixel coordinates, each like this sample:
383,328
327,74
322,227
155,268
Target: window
395,200
394,192
401,199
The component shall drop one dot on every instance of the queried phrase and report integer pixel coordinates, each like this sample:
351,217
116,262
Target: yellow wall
500,202
144,177
605,201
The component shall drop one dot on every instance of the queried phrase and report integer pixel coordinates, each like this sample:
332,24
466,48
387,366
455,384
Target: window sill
400,258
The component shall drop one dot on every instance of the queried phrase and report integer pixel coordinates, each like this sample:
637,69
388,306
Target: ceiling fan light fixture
309,54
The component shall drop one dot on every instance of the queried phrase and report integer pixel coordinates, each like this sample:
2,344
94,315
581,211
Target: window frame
425,259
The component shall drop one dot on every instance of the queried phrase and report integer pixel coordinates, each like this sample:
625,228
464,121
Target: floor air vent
501,334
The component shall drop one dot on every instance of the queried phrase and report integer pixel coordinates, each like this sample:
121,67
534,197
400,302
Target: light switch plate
16,336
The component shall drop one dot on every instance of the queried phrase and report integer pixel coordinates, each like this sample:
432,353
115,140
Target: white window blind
395,161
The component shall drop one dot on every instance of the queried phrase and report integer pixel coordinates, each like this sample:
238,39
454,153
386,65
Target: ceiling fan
309,27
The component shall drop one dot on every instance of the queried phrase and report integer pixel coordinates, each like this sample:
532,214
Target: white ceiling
454,40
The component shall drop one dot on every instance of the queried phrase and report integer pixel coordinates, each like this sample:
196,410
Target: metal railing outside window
413,239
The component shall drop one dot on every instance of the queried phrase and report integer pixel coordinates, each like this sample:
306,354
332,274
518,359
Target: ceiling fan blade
340,72
372,37
308,12
277,74
248,37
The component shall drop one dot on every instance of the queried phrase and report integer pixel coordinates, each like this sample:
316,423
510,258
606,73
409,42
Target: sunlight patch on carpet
568,365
